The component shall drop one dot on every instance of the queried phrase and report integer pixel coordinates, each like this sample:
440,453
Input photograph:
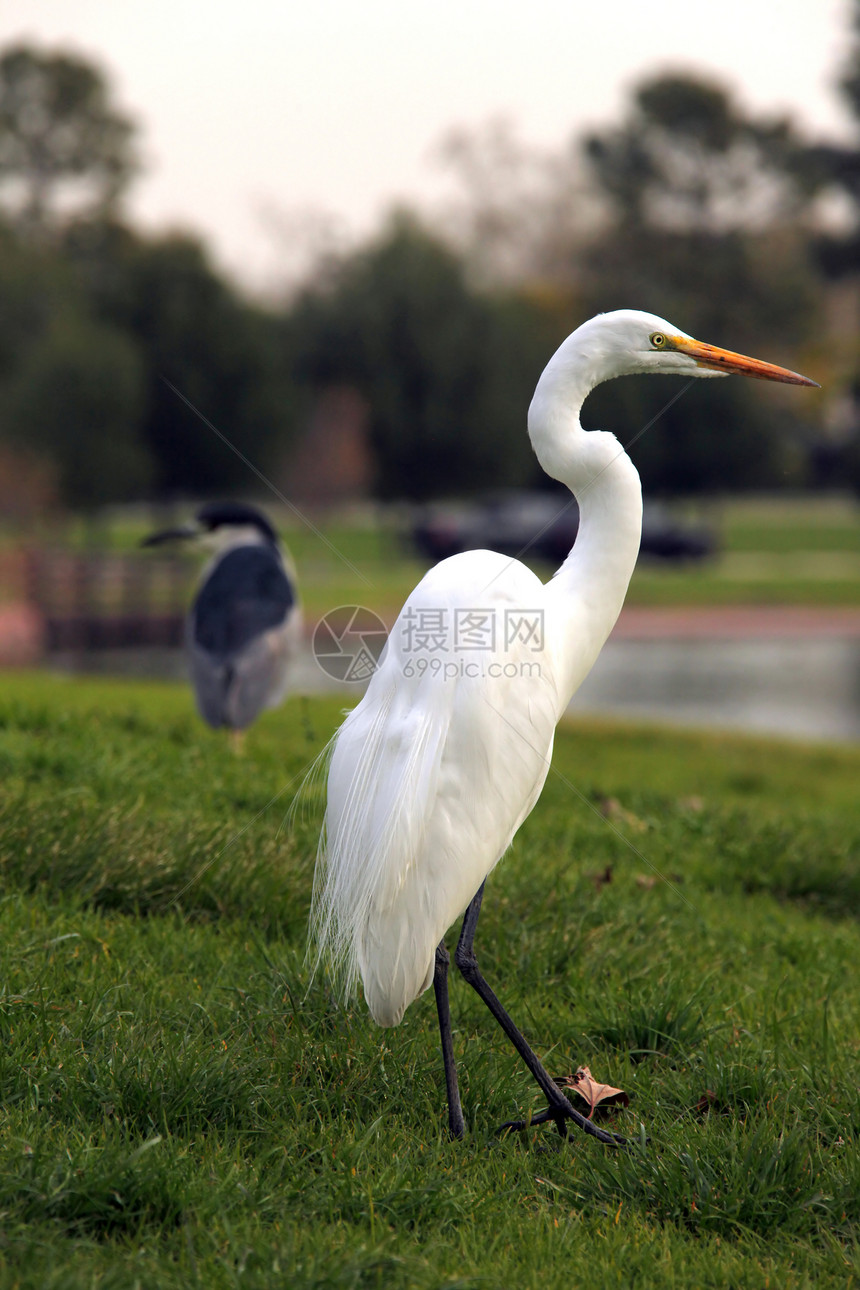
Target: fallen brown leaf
586,1087
611,809
602,877
710,1102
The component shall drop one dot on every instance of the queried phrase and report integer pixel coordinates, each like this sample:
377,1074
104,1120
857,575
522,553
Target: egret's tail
368,917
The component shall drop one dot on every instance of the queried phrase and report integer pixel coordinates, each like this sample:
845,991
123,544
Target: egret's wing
431,775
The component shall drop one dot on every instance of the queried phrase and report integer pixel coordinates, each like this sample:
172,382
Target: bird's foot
561,1115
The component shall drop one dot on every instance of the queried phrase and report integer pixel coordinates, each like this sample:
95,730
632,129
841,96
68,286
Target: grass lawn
789,551
181,1109
801,551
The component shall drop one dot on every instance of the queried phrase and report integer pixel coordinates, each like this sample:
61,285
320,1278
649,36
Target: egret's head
628,341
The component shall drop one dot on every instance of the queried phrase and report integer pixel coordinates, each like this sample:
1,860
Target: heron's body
444,758
244,626
243,631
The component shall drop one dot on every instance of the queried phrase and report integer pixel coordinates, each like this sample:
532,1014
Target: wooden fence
91,600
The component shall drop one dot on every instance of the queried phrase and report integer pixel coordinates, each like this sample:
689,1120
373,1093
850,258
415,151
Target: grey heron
245,623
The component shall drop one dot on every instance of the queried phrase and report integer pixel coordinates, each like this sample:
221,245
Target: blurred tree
447,372
88,328
838,256
701,207
687,159
705,229
76,401
63,146
839,165
70,393
519,214
705,206
191,327
689,207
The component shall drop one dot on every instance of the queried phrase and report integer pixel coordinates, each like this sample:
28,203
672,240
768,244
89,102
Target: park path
22,634
734,622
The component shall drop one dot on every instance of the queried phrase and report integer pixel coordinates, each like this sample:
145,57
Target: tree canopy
689,206
192,329
64,147
447,371
688,159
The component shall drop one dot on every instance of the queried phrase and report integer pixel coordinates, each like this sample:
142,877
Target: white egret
245,623
437,767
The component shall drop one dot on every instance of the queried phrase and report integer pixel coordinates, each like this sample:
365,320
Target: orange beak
723,360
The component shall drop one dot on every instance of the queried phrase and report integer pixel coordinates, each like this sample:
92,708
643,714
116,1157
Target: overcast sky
336,105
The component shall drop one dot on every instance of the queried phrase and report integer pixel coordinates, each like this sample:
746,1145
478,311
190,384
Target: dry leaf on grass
594,1095
710,1102
602,877
611,809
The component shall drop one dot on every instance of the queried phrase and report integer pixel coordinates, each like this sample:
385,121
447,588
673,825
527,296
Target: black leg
456,1123
560,1108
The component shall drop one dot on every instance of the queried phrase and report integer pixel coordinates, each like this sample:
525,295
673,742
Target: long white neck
588,590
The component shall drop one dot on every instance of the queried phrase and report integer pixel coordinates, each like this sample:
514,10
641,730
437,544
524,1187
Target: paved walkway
21,642
21,635
638,622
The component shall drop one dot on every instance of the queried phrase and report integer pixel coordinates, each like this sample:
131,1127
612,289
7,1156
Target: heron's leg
307,724
560,1109
456,1123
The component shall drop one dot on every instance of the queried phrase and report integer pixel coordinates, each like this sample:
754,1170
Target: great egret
434,771
245,623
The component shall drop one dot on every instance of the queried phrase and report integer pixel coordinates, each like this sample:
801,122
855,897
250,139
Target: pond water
804,687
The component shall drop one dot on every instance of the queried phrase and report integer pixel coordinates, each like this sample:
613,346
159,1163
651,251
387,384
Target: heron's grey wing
210,679
261,672
246,594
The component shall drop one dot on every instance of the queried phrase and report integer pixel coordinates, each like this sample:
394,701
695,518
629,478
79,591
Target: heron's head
628,341
218,525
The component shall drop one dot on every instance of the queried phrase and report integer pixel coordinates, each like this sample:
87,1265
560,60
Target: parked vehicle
543,526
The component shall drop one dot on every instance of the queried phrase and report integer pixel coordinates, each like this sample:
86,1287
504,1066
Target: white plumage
436,769
410,836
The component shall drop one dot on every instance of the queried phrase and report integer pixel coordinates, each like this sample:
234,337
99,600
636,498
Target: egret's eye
658,340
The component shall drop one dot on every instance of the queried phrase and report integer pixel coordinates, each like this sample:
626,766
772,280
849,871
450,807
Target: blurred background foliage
737,228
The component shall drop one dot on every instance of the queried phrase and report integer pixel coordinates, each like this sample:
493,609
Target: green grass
180,1108
718,584
790,524
793,551
789,551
